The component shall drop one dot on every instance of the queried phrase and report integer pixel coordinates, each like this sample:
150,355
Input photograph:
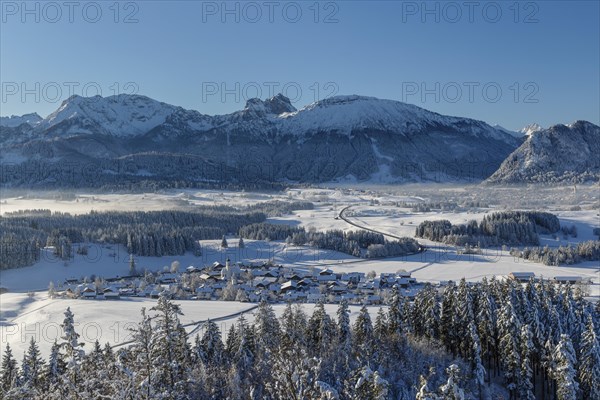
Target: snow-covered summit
353,112
530,129
120,115
273,106
17,120
346,113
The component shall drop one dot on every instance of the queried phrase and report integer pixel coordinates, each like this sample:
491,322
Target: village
244,283
256,282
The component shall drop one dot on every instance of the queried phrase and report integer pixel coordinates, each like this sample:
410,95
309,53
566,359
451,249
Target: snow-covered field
82,203
22,316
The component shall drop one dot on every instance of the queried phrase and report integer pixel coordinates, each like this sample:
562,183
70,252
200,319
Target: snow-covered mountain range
130,138
16,120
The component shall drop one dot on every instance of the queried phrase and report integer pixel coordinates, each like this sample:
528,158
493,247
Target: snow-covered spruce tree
241,348
367,384
169,351
267,340
344,331
32,368
72,349
589,362
241,243
464,315
293,323
395,318
570,322
211,354
343,361
96,381
487,326
525,385
564,372
296,376
448,320
117,377
9,371
533,319
211,345
231,341
55,368
362,333
451,390
431,311
553,323
266,327
141,368
425,313
510,327
224,244
381,326
320,332
477,368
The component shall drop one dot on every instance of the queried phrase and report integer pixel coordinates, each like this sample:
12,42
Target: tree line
584,251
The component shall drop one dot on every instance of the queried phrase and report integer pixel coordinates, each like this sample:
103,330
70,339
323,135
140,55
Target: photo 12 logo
240,92
54,92
53,12
470,92
452,12
50,332
252,12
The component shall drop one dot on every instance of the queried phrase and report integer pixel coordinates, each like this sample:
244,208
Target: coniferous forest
469,341
518,228
144,233
496,229
158,233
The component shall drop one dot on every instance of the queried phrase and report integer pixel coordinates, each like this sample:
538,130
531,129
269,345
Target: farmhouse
567,279
521,276
111,293
88,293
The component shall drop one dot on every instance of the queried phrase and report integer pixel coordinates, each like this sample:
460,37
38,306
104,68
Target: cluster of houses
252,283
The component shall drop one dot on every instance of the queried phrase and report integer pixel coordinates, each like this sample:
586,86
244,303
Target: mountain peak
118,115
276,105
530,129
279,104
561,153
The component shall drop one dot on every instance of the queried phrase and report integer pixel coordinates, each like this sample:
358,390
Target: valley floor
23,314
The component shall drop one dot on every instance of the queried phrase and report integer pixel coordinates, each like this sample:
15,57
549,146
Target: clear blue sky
544,56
